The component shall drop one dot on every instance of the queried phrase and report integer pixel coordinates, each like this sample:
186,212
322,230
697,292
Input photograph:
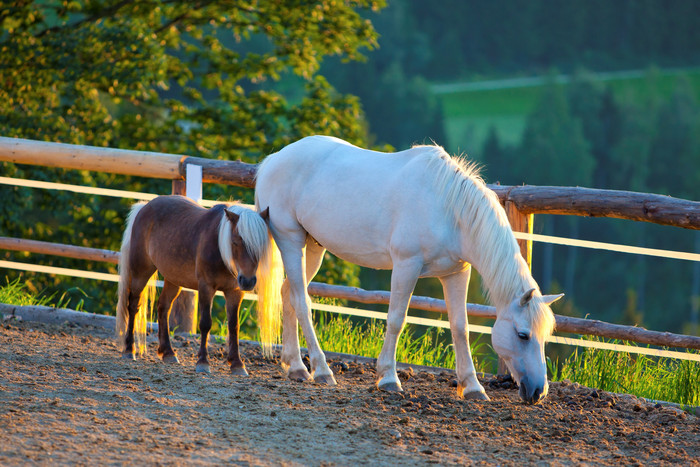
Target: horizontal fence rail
563,323
382,316
645,207
526,200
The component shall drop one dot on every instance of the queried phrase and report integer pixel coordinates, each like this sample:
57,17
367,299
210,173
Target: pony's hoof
128,356
239,371
172,359
203,368
476,396
325,379
299,375
390,387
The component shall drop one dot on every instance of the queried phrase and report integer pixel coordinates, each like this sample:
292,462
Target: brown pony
227,248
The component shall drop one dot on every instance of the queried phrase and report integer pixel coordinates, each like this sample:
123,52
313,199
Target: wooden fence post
183,317
519,222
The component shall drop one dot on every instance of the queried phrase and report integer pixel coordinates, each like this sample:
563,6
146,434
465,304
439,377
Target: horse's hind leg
297,306
234,297
455,289
206,296
168,295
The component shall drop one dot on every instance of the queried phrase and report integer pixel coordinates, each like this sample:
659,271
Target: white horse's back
350,200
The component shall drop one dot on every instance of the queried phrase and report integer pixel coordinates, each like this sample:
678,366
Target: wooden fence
521,203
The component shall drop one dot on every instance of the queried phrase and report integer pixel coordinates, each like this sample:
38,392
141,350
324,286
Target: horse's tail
269,290
124,290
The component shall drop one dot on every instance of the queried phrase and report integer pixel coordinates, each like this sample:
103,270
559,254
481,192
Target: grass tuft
656,378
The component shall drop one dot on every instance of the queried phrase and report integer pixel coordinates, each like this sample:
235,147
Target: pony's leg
234,297
137,284
291,354
167,296
293,257
205,298
403,280
455,290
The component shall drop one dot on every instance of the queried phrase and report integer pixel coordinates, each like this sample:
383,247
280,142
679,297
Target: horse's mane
476,210
252,229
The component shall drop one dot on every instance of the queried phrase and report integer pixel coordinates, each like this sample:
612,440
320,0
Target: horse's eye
524,336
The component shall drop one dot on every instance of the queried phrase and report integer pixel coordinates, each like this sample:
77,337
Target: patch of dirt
68,398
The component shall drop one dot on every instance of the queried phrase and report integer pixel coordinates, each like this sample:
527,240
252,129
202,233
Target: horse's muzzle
246,283
530,393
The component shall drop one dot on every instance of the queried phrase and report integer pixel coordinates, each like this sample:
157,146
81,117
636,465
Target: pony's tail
269,289
124,290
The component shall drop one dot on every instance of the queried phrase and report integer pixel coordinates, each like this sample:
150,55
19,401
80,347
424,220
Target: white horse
420,213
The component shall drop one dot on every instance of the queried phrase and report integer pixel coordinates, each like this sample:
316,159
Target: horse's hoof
203,368
325,379
239,371
390,387
299,375
128,356
170,359
476,396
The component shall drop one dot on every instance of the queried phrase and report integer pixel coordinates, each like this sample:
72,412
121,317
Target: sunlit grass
17,293
656,378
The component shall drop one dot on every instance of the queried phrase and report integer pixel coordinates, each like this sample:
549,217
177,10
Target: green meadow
505,104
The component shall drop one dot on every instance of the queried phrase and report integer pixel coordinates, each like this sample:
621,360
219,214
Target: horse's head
245,248
518,337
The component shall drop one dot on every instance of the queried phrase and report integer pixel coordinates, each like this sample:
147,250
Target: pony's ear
527,296
265,214
549,299
232,216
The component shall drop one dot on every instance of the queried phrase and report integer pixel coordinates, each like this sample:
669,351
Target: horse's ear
232,216
527,296
265,214
549,299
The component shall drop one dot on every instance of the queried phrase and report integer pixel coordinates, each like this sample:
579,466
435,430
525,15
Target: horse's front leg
403,281
293,259
234,297
205,297
455,289
168,295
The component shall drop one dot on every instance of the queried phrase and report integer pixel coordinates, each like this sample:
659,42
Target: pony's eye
524,336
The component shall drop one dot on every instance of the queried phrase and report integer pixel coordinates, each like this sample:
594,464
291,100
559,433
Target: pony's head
518,337
243,240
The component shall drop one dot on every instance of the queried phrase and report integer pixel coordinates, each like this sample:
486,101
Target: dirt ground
67,398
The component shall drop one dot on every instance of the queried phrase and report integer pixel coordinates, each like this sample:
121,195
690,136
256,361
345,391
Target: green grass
340,334
470,114
656,378
17,293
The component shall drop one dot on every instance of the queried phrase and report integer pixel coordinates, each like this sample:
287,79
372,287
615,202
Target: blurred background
579,93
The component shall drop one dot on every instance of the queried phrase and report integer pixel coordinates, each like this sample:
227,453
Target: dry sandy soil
67,398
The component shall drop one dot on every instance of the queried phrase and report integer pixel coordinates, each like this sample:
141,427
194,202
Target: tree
554,151
186,77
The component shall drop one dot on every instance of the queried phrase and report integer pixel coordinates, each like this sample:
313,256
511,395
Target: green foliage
656,378
196,78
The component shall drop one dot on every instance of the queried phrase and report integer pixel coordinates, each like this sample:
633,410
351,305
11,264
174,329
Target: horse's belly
353,246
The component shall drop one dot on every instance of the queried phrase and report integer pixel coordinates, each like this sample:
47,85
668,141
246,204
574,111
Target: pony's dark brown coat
179,239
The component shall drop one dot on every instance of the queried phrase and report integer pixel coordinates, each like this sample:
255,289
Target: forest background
584,93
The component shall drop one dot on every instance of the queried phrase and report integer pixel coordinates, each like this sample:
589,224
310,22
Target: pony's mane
476,210
252,229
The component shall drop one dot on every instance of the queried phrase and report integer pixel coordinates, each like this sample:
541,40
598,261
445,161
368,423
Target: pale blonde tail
270,276
145,300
